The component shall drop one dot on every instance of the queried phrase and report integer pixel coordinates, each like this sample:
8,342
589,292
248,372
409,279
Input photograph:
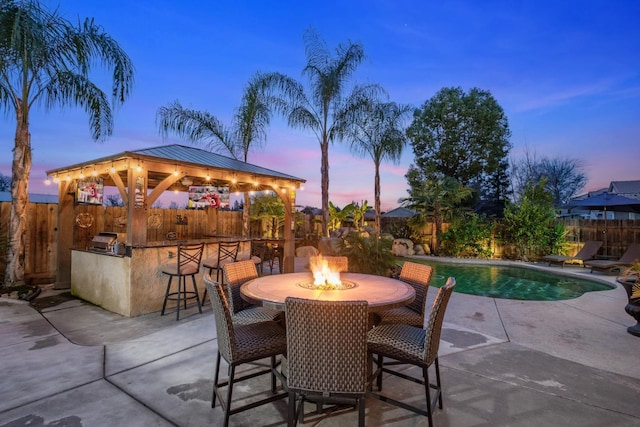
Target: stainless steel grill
104,242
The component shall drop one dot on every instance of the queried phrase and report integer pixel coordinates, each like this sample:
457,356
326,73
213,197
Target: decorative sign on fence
139,197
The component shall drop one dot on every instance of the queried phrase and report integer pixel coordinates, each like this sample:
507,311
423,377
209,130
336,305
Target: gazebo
142,176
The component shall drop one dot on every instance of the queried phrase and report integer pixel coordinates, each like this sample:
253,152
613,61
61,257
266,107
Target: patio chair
236,274
187,264
227,252
243,344
586,253
327,359
414,346
418,276
631,255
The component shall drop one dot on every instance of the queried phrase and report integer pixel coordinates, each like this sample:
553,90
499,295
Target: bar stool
188,264
227,252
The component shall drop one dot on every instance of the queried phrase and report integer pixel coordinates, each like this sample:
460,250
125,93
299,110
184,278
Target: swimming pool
511,282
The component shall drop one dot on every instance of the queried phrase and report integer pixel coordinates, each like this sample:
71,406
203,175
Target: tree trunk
21,167
245,215
376,202
437,220
324,171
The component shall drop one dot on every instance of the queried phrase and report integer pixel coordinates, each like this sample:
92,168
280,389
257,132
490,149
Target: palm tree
320,108
248,129
437,199
46,60
376,131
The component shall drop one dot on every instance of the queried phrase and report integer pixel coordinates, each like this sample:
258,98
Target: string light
175,171
138,168
94,173
112,170
82,174
208,177
47,181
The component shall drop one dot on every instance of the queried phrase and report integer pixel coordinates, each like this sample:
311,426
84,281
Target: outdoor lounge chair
588,251
631,255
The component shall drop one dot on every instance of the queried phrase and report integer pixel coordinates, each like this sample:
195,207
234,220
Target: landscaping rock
402,247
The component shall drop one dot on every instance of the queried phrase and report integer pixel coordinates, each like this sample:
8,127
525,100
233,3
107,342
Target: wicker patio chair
235,275
414,346
418,276
326,354
240,344
187,264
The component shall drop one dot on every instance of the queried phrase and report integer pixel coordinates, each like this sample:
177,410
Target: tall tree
464,136
564,177
46,60
377,131
320,107
247,131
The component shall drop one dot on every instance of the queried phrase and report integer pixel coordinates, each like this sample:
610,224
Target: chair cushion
259,340
255,314
398,341
186,270
400,315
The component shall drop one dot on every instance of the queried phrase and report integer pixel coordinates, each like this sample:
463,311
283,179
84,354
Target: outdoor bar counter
133,284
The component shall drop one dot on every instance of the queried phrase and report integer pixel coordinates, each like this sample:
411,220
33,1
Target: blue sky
566,73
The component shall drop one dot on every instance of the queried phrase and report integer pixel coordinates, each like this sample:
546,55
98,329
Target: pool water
512,282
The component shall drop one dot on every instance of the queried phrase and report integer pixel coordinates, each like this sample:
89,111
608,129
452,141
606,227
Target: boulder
402,247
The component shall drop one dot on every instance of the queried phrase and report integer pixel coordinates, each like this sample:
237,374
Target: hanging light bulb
112,170
47,181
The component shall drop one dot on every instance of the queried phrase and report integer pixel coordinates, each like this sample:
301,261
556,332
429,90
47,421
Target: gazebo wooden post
64,238
137,209
288,198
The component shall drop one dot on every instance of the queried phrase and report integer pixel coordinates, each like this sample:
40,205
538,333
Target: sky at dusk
566,73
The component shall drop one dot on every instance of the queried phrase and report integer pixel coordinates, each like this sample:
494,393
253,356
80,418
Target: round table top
380,292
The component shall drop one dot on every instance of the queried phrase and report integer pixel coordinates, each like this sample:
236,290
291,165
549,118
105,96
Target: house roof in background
399,212
628,188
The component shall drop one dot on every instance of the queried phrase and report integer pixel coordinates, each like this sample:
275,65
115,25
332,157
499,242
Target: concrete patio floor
503,362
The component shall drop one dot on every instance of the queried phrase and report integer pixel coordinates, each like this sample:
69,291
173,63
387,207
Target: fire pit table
380,292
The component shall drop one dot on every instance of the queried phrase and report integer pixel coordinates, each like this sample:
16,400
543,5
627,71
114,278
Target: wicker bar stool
227,252
410,345
418,276
242,344
187,264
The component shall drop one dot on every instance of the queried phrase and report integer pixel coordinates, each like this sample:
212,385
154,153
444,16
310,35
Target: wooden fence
42,226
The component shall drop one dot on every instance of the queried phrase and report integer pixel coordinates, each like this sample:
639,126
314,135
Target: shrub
469,235
370,255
